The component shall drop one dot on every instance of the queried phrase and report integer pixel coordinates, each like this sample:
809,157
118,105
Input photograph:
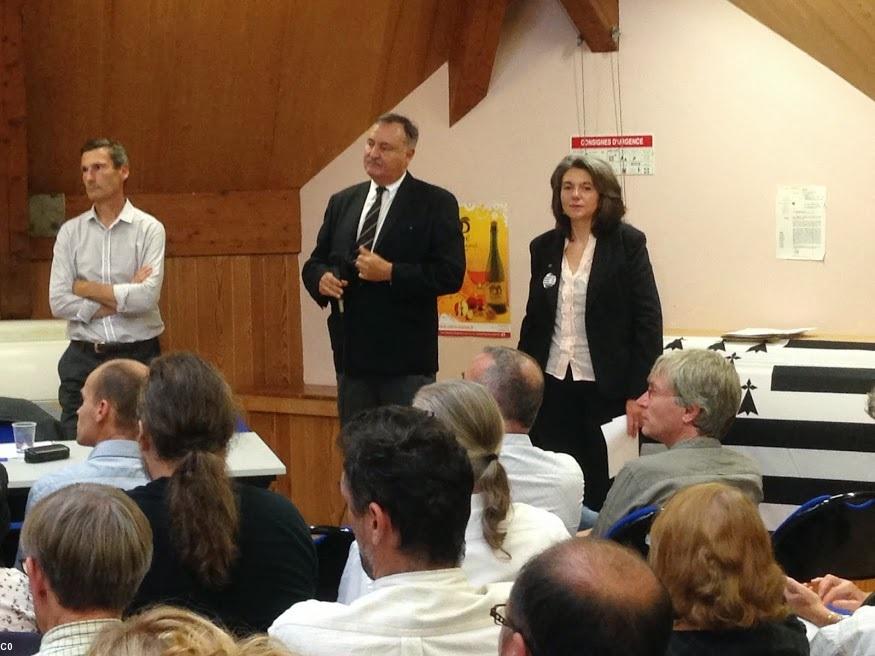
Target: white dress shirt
543,479
529,532
570,346
853,636
86,249
385,204
431,613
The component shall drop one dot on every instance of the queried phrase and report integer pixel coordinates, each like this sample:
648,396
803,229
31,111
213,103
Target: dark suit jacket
390,328
623,314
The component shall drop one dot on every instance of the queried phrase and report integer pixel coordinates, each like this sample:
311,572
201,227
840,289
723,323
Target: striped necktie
369,227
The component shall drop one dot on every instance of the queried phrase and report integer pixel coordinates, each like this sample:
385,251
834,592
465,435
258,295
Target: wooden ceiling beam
839,34
472,55
596,21
15,299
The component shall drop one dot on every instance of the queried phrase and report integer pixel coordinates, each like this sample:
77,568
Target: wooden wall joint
595,20
472,56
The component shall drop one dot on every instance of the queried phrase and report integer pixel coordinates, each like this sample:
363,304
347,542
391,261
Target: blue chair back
332,549
632,529
829,535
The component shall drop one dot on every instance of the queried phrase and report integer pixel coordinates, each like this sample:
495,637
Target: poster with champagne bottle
481,308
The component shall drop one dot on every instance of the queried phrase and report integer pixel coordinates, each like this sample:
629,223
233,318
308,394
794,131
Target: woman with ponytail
239,554
501,535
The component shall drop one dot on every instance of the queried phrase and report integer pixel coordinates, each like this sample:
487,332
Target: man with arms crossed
106,278
386,250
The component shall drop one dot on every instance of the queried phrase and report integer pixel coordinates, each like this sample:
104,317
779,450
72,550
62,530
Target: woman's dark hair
188,413
610,210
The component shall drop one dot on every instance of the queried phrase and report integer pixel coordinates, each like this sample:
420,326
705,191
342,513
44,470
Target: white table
248,457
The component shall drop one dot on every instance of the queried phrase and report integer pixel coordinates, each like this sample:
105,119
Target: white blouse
569,346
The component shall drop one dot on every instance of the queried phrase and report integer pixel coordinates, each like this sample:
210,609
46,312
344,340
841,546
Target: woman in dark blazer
593,319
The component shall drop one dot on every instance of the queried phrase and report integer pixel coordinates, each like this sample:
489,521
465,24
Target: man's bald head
515,381
109,401
589,596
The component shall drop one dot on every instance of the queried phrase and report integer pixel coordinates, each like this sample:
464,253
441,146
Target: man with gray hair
691,401
543,479
107,271
86,550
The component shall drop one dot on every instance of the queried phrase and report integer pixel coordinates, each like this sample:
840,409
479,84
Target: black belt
110,348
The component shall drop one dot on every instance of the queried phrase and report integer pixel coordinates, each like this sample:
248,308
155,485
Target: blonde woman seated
501,536
711,551
168,630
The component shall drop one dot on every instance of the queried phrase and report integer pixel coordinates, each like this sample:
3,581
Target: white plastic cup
24,433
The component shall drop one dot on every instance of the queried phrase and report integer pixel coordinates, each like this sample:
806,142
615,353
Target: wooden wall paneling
307,447
265,425
261,307
283,347
243,366
15,299
212,95
68,44
215,312
238,312
316,467
232,223
40,271
216,82
179,302
190,89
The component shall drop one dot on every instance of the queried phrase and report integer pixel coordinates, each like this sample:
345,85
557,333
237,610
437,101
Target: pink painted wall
735,112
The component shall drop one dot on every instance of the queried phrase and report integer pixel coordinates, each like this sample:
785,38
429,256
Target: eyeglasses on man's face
498,615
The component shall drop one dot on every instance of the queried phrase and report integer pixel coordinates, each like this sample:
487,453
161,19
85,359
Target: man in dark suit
386,250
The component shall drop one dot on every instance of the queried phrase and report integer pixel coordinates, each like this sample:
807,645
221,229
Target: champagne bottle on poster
496,281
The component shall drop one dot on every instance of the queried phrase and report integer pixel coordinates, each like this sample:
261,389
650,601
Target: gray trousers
357,393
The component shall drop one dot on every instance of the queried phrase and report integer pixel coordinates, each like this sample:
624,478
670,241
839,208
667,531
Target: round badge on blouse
549,280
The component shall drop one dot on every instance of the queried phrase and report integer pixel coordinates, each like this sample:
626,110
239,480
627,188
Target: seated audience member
543,479
501,536
690,403
231,551
408,485
86,548
850,636
168,630
107,422
585,596
710,549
